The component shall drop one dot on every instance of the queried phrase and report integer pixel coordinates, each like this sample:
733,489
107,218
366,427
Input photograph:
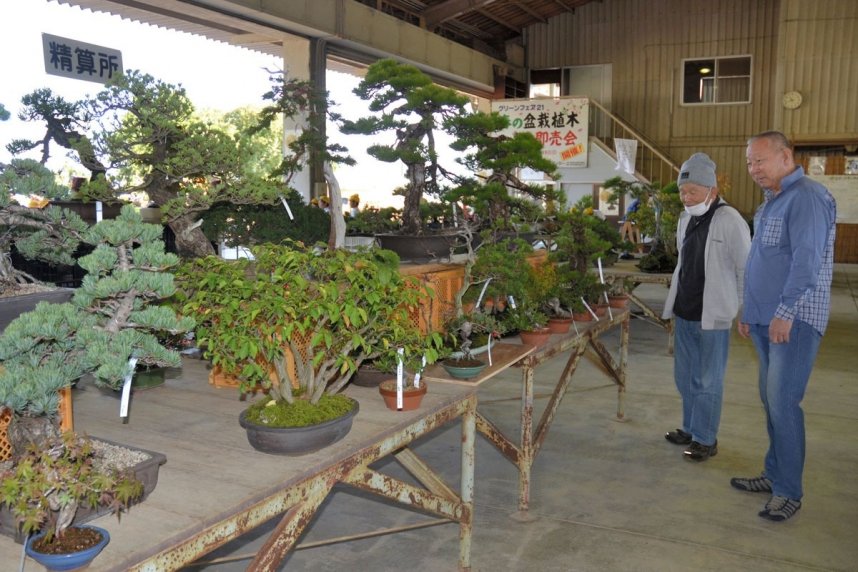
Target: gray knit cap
698,169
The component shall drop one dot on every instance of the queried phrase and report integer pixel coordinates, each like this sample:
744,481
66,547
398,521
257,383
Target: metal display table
215,487
631,277
523,451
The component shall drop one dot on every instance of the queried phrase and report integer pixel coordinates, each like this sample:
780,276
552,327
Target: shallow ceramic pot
582,317
463,369
411,396
297,440
72,561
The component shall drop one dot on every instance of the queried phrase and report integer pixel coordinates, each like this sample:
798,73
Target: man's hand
744,329
779,331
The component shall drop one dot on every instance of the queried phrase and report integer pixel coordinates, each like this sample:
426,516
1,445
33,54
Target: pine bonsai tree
112,318
408,104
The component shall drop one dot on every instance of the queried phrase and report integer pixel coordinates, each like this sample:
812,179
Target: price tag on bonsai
126,388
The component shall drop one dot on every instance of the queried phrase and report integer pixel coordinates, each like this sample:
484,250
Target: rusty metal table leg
469,432
525,460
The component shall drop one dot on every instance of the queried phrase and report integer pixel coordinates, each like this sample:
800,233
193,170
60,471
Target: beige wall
811,47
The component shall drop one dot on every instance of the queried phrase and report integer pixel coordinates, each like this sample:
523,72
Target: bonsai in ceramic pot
44,488
469,336
296,322
110,324
530,323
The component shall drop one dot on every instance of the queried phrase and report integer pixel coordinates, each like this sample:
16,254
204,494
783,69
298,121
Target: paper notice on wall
626,152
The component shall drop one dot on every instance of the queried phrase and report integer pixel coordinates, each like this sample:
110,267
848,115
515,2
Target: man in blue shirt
787,301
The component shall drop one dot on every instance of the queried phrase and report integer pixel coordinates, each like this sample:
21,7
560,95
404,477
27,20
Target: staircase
651,165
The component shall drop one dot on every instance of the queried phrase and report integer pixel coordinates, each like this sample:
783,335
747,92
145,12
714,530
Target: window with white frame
710,81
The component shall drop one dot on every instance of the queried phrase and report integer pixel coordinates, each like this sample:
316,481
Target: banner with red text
560,123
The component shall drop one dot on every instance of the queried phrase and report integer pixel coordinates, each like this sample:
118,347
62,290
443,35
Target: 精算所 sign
79,60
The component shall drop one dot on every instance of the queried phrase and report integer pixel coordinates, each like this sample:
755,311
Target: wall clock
792,99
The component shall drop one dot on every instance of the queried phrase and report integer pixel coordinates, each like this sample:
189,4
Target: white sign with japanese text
79,60
561,124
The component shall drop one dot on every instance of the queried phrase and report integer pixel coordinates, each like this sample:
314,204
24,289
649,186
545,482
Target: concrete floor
615,496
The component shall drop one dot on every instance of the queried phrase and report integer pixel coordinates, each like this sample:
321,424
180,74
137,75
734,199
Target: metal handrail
650,164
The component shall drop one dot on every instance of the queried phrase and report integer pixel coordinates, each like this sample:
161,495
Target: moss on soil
301,413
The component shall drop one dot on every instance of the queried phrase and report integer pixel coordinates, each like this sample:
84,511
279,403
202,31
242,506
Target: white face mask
700,208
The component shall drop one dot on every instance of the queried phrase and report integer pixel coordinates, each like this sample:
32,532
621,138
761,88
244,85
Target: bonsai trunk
191,242
23,432
411,223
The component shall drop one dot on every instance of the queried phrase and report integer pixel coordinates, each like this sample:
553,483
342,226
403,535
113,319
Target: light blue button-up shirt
788,273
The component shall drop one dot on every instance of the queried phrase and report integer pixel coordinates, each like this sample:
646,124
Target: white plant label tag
126,388
489,349
400,367
286,206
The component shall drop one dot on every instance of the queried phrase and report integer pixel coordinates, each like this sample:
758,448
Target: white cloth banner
626,151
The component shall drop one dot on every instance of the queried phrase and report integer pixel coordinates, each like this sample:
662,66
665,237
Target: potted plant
44,488
469,336
530,323
47,234
109,326
413,386
295,323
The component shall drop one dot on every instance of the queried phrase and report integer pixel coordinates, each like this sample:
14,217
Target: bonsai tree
407,104
48,234
45,486
112,318
142,135
656,217
524,317
297,321
246,225
373,220
495,190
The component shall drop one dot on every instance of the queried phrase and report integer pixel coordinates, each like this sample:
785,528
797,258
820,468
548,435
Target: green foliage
505,263
142,135
656,217
110,320
578,242
494,190
524,317
50,234
405,103
373,220
247,225
44,487
328,311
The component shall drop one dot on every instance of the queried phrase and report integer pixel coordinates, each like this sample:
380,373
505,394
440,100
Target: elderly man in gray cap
713,241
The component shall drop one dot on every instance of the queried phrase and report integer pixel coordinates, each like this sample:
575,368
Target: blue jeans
700,357
784,373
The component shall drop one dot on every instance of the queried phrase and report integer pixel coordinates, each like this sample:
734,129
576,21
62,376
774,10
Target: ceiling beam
450,9
500,21
533,13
